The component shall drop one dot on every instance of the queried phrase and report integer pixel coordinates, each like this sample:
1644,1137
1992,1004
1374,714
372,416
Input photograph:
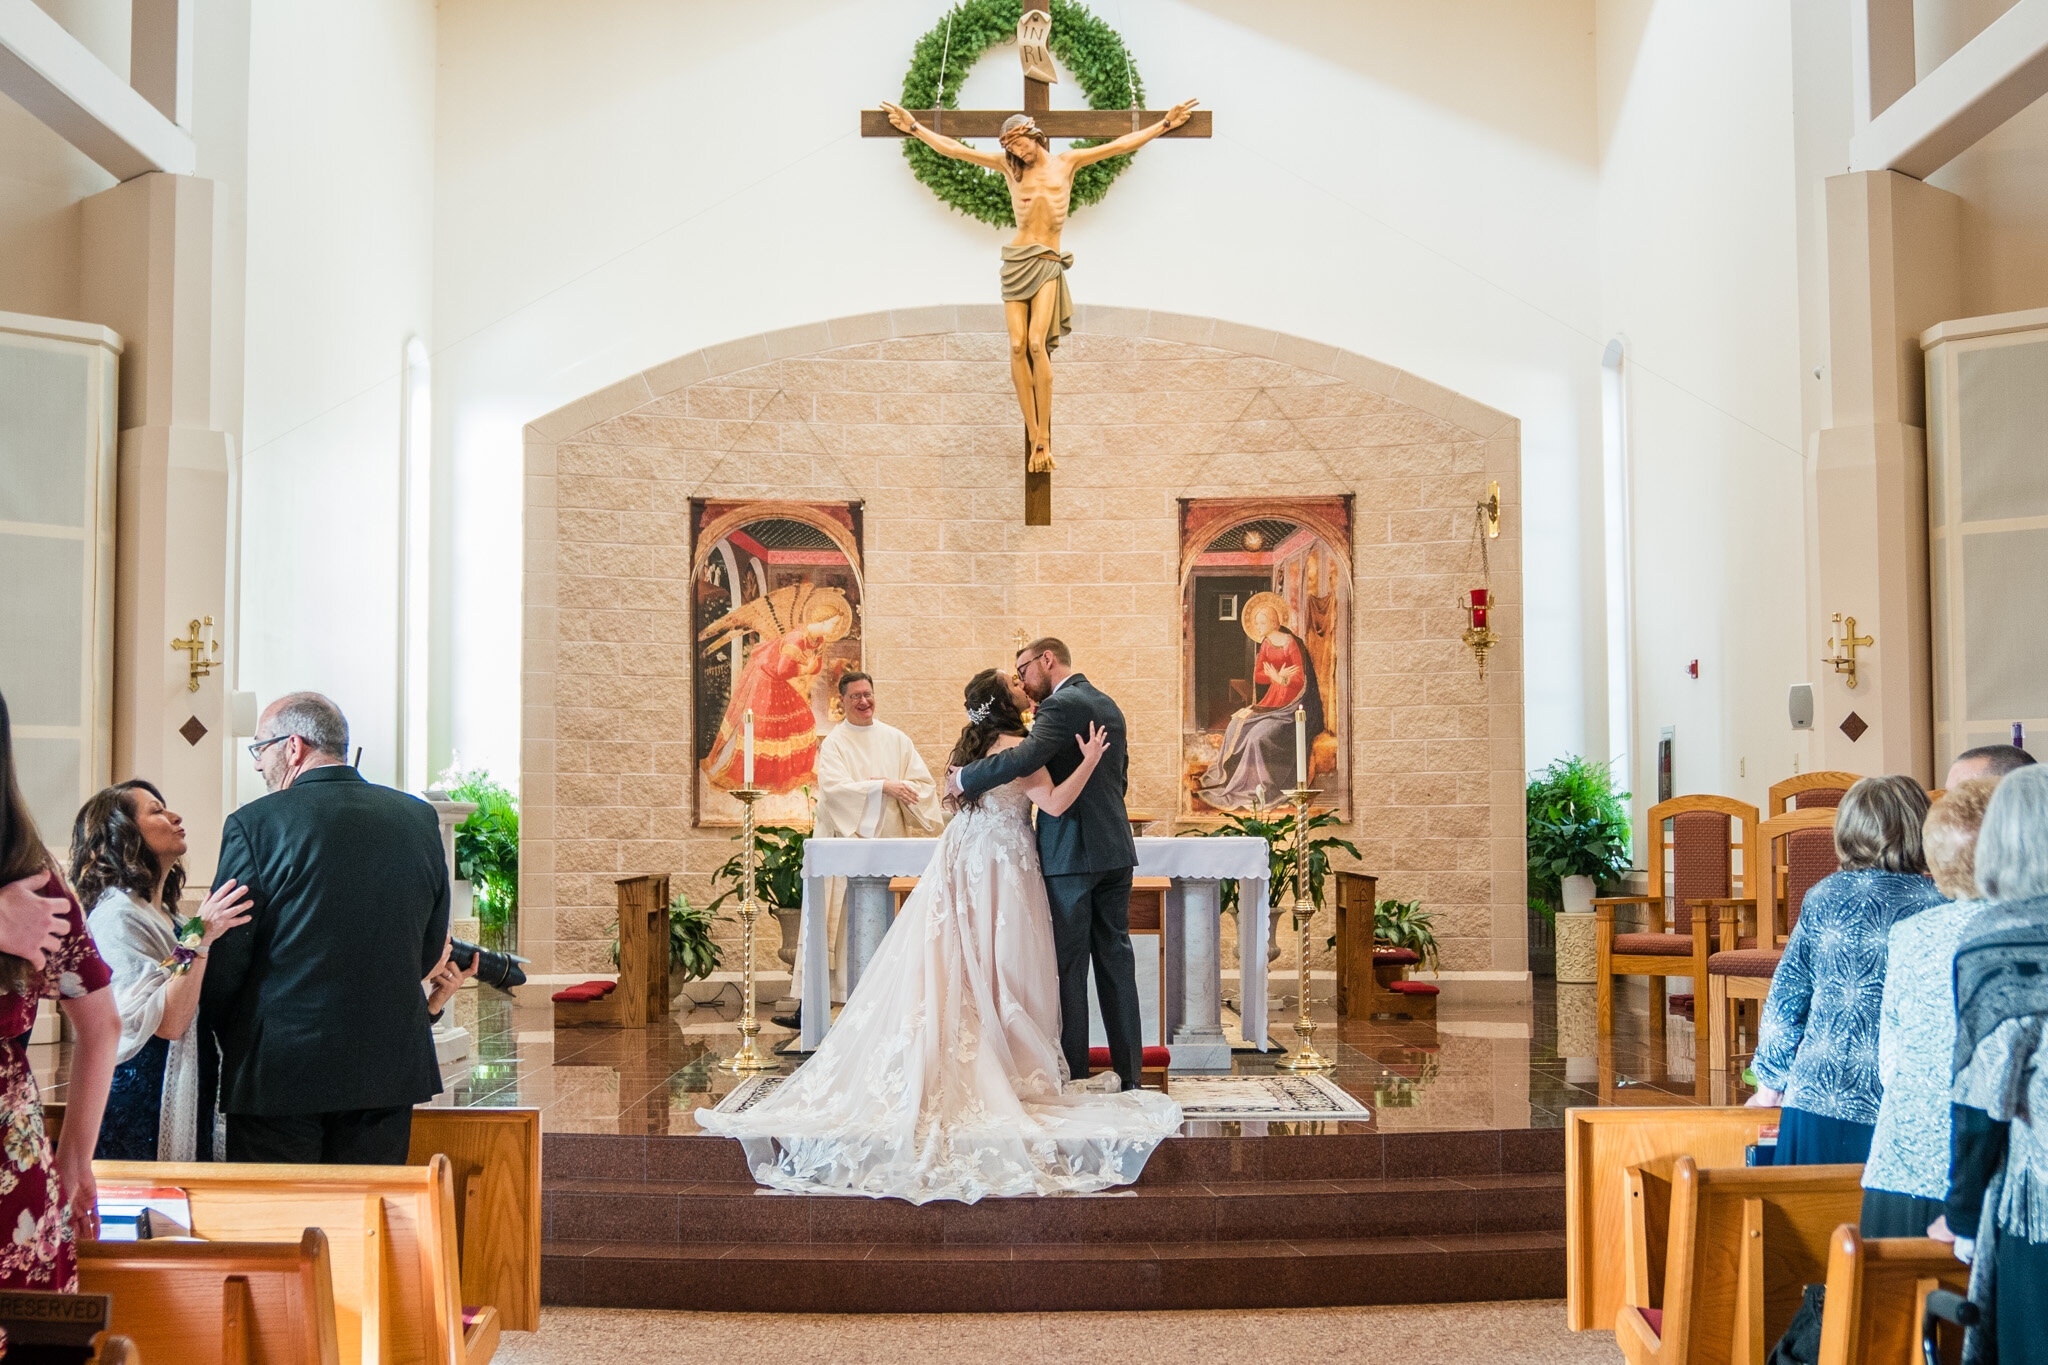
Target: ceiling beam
1992,77
1881,52
51,74
160,56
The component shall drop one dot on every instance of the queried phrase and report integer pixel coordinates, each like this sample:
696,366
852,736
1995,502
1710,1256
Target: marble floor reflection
1518,1066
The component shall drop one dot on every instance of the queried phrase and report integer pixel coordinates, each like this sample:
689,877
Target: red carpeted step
995,1277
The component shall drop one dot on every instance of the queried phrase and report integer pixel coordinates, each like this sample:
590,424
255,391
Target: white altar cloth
1192,958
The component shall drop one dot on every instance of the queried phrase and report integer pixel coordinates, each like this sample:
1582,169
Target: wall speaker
1799,704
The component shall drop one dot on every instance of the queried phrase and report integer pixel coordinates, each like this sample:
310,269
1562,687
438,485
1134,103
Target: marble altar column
1195,976
870,910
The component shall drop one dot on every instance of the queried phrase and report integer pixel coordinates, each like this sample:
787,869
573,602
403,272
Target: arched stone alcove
908,415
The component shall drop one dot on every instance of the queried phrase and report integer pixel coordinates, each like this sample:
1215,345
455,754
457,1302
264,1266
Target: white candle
747,779
1301,746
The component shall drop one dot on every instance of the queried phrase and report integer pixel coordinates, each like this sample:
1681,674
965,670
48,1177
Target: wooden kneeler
641,997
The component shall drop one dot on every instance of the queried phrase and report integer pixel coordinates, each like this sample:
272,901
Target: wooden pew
1744,1243
494,1156
1600,1146
219,1303
391,1239
1877,1292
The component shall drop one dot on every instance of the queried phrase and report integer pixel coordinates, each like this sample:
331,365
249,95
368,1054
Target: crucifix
1037,307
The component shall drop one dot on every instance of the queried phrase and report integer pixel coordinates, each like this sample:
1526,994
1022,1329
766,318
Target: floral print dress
36,1250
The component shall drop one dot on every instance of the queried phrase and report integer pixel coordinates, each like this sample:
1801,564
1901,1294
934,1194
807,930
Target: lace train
943,1077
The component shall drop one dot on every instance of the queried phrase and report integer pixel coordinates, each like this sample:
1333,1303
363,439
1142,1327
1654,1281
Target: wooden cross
1062,123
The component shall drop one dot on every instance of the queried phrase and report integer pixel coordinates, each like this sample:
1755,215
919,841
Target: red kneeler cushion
1153,1058
1412,987
1395,957
589,990
1655,1318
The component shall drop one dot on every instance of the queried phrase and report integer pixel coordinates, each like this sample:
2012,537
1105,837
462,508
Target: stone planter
787,920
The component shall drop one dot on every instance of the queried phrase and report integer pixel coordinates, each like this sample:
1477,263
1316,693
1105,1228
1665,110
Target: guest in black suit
317,1003
1086,854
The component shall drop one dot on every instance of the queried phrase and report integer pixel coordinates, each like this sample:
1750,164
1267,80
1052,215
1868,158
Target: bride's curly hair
987,696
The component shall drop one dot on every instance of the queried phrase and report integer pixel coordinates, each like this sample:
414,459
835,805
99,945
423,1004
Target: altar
1191,947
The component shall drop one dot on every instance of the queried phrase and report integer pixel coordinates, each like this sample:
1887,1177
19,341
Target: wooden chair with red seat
1794,852
1705,841
1808,791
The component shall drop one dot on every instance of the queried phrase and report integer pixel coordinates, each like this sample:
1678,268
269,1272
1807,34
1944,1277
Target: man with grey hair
325,1040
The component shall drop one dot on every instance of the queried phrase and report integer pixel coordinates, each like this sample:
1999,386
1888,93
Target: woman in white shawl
125,846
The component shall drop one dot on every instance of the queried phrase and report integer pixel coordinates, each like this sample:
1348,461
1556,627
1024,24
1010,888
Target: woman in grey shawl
125,847
1997,1206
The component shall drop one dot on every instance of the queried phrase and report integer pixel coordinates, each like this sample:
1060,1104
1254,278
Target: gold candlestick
747,1061
1305,1057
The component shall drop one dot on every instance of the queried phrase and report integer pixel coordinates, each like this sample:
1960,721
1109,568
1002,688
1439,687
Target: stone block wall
912,414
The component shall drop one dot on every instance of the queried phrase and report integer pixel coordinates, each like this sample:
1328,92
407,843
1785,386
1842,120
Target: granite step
1186,1160
669,1212
888,1277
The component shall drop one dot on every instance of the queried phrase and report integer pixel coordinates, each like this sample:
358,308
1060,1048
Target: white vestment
853,763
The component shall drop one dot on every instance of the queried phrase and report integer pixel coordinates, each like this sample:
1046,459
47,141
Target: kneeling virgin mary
1258,746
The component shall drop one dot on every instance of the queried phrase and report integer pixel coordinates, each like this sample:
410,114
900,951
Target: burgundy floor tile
612,1217
896,1251
1448,1154
853,1218
756,1218
941,1287
1355,1156
595,1156
1533,1149
696,1158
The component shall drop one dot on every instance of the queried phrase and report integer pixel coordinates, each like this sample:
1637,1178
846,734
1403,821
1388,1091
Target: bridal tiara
977,714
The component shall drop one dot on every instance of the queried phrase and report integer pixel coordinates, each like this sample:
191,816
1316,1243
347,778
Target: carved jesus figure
1037,306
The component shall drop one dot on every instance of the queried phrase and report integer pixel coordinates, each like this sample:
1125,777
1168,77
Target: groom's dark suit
1087,855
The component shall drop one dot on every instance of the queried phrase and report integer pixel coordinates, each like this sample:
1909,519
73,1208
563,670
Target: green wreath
1093,54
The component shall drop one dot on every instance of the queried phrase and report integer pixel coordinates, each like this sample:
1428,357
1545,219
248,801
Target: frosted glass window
42,670
2005,652
2002,422
48,772
1938,592
46,414
1937,445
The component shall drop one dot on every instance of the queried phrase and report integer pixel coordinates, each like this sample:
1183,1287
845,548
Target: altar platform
1452,1189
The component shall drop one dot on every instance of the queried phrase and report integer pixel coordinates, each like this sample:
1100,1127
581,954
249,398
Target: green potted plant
487,852
1276,826
1405,924
692,956
778,882
1578,836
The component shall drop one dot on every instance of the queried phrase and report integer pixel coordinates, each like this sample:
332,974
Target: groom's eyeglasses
256,749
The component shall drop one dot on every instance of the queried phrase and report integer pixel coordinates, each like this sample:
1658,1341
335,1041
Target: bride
943,1076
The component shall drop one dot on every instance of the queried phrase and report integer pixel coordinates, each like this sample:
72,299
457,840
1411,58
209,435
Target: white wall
622,181
1699,275
340,233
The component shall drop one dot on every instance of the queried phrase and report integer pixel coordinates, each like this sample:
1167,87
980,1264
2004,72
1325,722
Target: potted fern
1578,836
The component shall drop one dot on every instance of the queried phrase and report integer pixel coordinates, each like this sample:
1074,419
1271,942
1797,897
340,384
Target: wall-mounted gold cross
204,651
1843,658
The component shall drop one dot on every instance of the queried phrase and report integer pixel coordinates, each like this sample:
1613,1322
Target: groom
1086,855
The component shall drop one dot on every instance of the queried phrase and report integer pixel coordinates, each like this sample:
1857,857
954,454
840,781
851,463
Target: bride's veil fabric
942,1077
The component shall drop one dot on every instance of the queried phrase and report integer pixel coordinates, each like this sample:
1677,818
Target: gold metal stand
1305,1057
747,1061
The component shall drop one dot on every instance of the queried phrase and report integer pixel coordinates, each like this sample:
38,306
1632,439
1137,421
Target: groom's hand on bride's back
953,782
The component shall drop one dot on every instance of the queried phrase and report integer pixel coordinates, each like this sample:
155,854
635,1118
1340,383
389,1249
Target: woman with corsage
125,847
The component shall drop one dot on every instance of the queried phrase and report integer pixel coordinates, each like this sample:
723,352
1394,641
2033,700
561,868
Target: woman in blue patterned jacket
1817,1047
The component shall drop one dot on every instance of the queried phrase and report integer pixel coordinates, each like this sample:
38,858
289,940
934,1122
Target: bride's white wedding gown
942,1077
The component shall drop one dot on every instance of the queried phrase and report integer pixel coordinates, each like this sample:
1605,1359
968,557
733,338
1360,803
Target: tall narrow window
1620,576
415,519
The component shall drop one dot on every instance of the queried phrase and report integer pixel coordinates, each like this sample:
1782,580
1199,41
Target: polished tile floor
1516,1066
1497,1067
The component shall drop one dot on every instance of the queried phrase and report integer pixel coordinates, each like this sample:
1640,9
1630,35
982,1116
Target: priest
871,785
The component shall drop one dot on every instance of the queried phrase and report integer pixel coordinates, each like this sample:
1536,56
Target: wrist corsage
190,935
